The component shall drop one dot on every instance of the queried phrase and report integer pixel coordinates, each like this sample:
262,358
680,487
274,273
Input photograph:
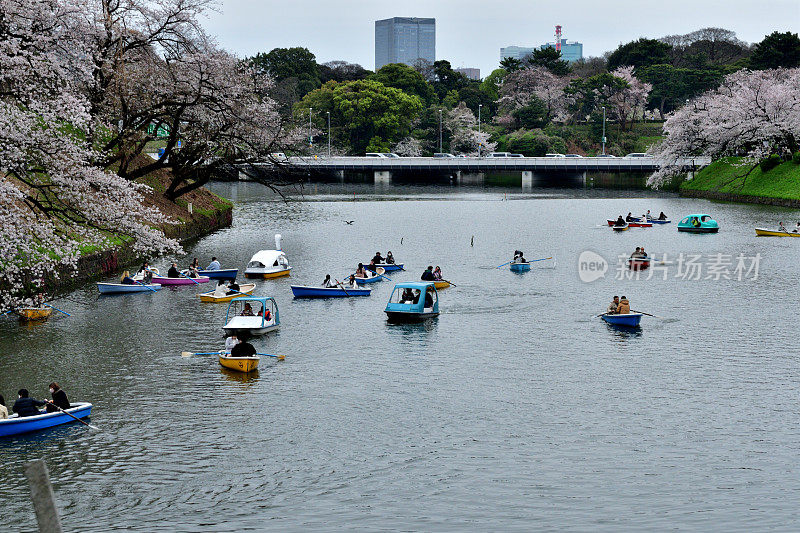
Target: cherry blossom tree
753,114
519,86
408,147
629,102
465,138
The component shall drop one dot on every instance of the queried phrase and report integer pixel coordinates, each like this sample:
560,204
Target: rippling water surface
514,410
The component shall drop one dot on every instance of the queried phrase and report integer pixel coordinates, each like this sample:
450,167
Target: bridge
574,168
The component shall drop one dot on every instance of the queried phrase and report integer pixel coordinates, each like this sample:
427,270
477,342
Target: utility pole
329,134
479,129
440,131
604,130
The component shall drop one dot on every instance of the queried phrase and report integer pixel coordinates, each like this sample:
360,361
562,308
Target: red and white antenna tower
558,38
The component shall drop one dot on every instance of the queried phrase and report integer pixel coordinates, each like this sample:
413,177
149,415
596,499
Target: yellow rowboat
245,288
769,233
442,284
269,275
33,313
240,364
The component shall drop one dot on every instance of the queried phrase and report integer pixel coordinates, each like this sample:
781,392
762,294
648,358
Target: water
515,409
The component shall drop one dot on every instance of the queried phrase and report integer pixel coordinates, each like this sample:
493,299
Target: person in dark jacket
25,406
244,348
378,260
428,274
59,398
173,271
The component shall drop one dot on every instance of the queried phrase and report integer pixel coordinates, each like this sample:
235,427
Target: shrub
796,157
769,163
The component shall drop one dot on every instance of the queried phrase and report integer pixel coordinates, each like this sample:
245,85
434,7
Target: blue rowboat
630,320
385,266
520,267
407,302
122,288
659,221
301,291
229,273
15,425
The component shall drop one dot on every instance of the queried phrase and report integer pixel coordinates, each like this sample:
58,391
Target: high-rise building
516,52
404,40
471,73
569,51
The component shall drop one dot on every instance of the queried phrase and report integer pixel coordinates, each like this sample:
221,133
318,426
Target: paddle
339,283
187,277
190,354
643,313
504,264
450,282
380,270
143,285
57,309
542,259
73,416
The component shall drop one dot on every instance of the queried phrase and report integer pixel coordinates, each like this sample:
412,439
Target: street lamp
310,139
604,130
440,131
329,134
479,129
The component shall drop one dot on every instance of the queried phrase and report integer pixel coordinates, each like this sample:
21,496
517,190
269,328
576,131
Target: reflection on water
516,406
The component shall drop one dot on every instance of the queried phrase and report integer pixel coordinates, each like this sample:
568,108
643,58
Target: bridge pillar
243,176
383,176
339,175
527,180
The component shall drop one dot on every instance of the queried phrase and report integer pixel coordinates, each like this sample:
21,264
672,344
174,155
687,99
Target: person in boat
26,406
231,341
214,264
620,221
3,408
437,274
662,216
782,228
194,268
243,348
146,273
173,271
59,398
428,274
415,298
637,253
796,228
126,279
389,258
360,272
613,306
518,257
233,288
629,218
327,284
266,313
428,300
352,282
647,215
248,310
378,260
220,290
624,306
644,254
407,297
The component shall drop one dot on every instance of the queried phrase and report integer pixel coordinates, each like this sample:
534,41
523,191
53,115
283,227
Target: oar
189,354
381,274
143,285
187,277
278,357
339,283
450,282
643,313
504,264
542,259
73,416
57,309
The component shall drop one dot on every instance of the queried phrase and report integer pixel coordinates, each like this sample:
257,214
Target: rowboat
698,224
633,224
122,288
303,291
241,364
761,232
254,324
629,320
268,264
412,307
179,281
228,273
520,267
33,313
441,284
388,267
639,263
245,288
371,277
659,221
15,425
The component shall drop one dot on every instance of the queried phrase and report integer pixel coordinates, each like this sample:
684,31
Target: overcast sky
470,33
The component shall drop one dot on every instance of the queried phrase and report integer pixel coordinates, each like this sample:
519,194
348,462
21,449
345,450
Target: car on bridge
555,155
382,155
442,155
637,155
